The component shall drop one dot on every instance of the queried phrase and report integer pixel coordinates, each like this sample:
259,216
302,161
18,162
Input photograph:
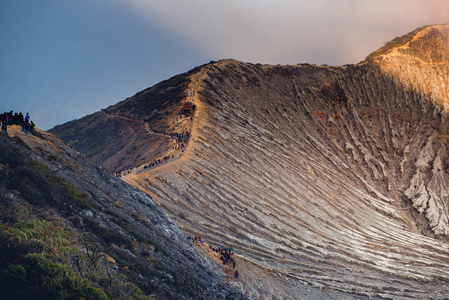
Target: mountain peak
428,43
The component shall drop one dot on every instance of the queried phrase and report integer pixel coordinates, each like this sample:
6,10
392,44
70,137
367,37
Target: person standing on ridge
4,127
9,118
27,118
32,125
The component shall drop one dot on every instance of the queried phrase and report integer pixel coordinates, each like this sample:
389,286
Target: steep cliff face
332,176
421,65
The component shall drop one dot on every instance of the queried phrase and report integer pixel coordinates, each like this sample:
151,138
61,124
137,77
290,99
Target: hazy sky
64,59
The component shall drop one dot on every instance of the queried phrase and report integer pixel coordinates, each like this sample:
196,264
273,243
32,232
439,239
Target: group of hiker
122,172
226,254
196,240
157,162
185,117
181,139
152,164
11,118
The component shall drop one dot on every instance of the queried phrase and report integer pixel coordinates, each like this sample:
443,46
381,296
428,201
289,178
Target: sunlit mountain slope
331,176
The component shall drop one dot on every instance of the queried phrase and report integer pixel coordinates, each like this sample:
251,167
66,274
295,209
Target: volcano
333,178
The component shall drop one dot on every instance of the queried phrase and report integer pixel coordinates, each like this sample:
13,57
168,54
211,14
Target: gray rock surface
331,176
328,179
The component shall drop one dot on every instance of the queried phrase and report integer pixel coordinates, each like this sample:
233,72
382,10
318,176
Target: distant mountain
333,178
70,230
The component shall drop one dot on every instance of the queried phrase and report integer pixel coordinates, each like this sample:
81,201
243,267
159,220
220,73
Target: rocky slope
133,131
69,229
335,177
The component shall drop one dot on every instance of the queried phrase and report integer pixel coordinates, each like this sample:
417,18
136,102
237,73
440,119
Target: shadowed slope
330,175
69,229
130,132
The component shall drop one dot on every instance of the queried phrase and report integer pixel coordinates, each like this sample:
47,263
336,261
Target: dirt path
124,118
147,128
262,283
197,121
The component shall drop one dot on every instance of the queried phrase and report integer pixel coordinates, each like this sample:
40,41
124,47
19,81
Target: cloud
287,31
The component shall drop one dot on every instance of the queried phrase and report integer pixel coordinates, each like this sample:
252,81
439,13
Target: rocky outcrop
421,65
331,176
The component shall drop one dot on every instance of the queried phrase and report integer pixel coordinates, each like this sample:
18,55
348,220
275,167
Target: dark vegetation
45,256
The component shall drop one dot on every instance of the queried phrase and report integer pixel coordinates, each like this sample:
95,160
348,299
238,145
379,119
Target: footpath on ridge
185,124
252,278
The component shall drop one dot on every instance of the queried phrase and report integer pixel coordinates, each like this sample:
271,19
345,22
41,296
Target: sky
63,59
